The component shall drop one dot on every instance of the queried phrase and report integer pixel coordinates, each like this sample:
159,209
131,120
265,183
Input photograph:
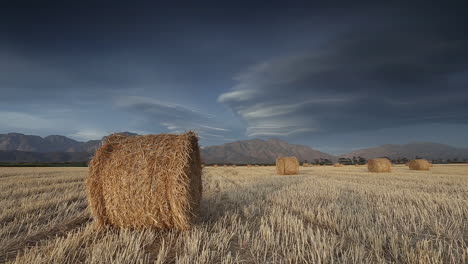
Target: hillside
53,143
16,147
259,151
425,150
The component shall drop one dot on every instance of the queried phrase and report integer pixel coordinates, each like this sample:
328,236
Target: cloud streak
174,118
380,76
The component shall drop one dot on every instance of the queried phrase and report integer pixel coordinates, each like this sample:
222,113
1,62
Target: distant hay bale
216,165
146,181
419,164
379,165
287,165
338,165
249,165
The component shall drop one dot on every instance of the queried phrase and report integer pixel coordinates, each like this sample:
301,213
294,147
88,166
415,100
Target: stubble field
250,215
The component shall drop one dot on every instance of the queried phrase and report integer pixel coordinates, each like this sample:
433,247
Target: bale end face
287,166
419,164
379,165
146,181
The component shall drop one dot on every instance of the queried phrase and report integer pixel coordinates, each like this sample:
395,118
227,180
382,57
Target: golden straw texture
287,165
146,181
419,164
379,165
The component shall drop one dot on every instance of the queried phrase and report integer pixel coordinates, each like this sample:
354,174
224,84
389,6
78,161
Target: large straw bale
287,165
338,165
419,164
379,165
146,181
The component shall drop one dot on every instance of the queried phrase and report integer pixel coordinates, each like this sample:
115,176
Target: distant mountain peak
244,151
276,140
33,143
259,151
427,150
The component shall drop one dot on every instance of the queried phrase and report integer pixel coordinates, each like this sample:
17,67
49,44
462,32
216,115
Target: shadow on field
228,201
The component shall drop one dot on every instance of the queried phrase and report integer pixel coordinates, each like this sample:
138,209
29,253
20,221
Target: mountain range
259,151
53,143
18,148
427,150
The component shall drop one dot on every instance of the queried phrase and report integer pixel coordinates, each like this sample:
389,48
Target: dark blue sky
333,76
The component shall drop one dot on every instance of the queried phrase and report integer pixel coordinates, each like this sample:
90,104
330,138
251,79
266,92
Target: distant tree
345,161
361,160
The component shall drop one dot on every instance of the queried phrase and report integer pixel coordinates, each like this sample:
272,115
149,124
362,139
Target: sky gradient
334,77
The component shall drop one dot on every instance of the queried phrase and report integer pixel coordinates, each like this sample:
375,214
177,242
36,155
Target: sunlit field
250,215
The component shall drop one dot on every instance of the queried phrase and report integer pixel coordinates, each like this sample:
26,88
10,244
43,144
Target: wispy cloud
175,118
345,87
215,128
89,134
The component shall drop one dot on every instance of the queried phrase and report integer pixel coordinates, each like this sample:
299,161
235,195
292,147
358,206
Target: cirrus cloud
371,78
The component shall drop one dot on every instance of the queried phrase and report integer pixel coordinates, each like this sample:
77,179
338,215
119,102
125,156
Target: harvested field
250,215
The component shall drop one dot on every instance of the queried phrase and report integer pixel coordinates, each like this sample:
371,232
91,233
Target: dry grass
250,215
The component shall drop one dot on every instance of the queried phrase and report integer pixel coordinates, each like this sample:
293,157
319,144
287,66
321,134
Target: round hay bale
379,165
338,165
287,165
146,181
419,164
